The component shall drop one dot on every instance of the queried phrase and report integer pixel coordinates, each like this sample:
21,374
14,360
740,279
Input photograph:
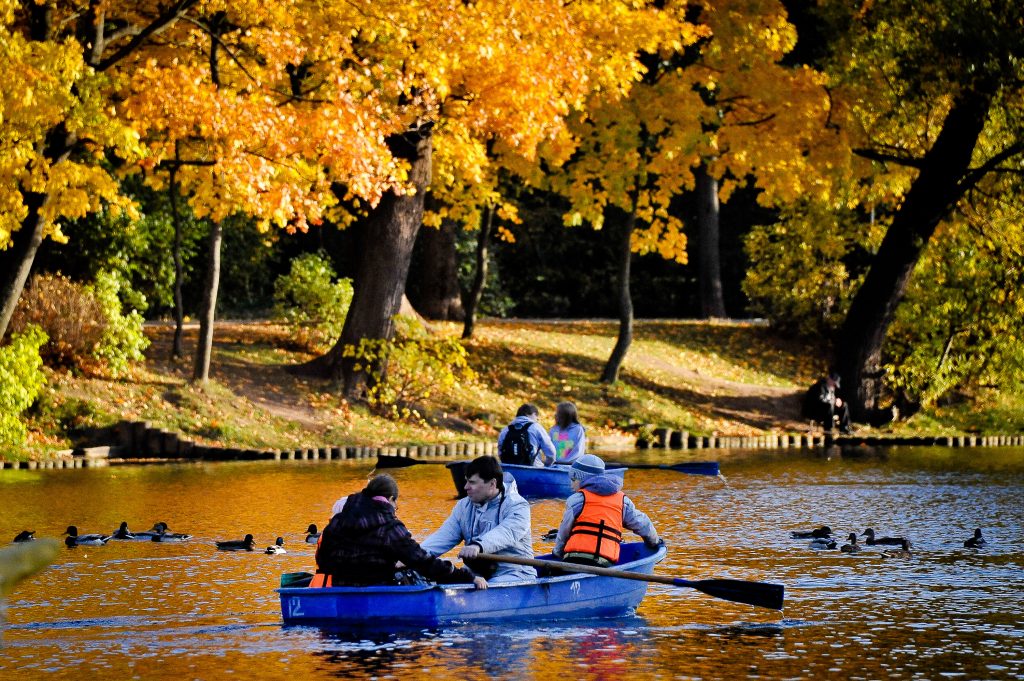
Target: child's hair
565,414
527,410
382,485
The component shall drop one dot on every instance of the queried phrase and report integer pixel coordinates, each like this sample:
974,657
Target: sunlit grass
681,374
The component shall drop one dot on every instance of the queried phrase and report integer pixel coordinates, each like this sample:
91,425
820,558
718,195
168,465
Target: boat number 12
575,589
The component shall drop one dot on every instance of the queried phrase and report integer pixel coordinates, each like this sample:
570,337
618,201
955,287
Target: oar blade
696,467
389,461
761,594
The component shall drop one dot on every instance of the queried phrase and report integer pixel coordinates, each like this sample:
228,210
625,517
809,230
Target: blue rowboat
531,481
564,596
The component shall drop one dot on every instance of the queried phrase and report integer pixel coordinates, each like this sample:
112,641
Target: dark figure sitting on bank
364,542
823,405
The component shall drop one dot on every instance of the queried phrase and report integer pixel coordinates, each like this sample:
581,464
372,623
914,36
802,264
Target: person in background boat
823,405
363,543
492,518
524,441
595,515
567,435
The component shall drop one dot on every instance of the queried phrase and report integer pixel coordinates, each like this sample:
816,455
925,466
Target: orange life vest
320,579
598,529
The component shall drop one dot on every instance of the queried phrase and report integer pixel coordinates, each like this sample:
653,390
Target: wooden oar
692,467
761,594
390,461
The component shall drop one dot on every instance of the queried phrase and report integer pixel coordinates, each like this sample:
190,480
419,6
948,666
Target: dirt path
268,386
743,407
757,406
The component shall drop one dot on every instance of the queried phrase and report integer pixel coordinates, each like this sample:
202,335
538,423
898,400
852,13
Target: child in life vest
596,513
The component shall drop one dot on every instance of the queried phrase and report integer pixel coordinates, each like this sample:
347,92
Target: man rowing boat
492,518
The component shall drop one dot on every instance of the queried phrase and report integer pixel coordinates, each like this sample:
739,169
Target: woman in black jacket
365,540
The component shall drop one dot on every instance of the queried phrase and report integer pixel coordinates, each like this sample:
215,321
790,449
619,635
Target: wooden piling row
140,442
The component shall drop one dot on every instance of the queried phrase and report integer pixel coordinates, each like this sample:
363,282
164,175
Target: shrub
122,341
411,371
85,324
68,313
310,300
21,379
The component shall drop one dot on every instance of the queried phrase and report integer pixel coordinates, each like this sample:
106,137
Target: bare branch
974,176
878,155
174,164
174,12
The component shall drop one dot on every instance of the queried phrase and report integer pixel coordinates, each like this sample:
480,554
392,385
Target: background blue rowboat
532,481
564,596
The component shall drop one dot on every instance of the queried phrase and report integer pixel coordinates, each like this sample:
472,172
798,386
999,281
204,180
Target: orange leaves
256,143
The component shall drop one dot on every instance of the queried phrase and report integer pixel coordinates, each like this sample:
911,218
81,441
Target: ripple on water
188,611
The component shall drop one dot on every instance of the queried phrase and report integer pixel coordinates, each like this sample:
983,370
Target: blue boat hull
531,481
571,596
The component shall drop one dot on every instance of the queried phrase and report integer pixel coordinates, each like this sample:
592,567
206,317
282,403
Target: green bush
310,300
412,371
21,378
122,341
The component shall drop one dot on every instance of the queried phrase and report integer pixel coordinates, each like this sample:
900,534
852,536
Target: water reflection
491,651
169,611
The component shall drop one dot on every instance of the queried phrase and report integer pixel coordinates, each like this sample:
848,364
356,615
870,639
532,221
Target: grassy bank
707,378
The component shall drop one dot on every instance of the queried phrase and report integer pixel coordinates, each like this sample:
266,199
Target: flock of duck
160,532
822,540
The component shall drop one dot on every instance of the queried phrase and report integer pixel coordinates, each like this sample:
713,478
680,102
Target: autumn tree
56,124
930,93
257,108
713,109
458,75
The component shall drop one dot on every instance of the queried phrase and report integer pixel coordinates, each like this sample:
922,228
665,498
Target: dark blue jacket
362,543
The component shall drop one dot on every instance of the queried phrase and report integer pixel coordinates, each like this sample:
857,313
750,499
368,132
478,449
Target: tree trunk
436,291
474,294
204,348
379,280
934,192
16,261
177,348
611,368
709,269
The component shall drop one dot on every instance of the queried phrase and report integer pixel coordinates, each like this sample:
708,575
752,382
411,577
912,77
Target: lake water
187,611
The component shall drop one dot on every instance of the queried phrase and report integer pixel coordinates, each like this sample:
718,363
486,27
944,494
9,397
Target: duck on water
853,546
245,544
312,535
823,532
75,539
974,542
162,533
902,552
823,544
872,540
